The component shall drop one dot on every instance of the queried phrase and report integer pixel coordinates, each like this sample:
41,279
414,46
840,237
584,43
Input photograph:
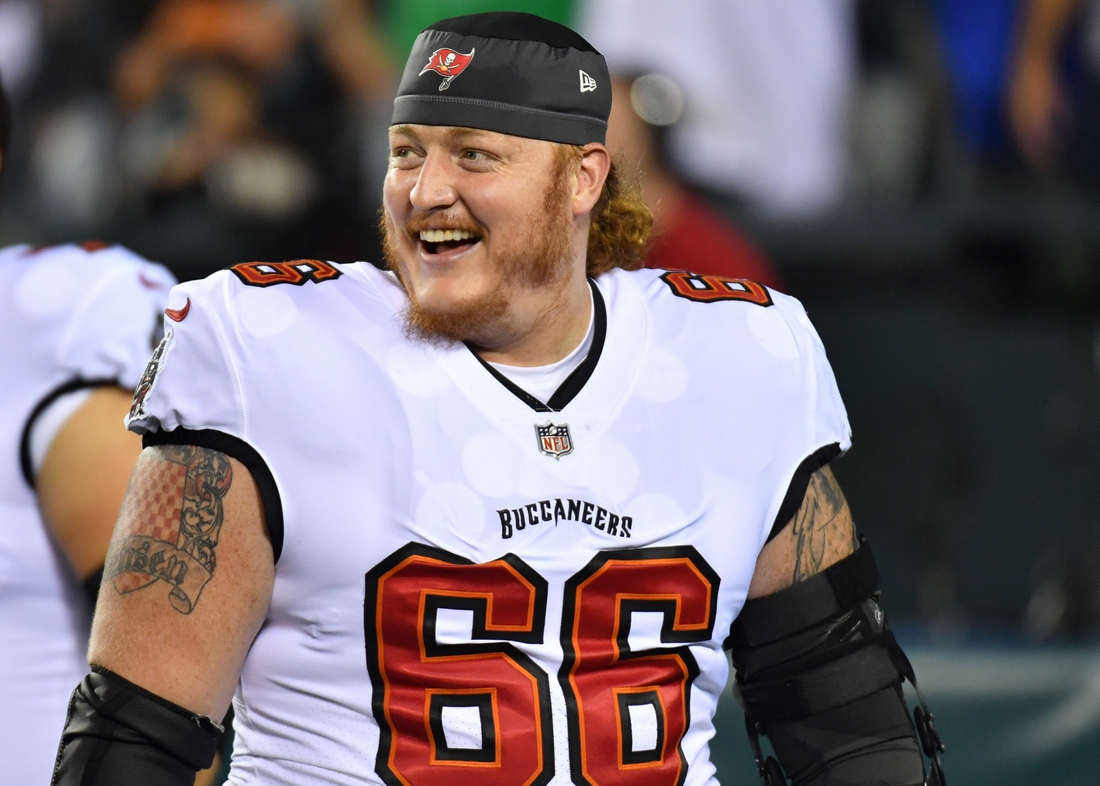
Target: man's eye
474,155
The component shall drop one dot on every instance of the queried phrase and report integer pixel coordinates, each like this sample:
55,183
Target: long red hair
621,221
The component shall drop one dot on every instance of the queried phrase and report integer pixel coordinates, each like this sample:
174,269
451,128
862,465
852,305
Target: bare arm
821,533
188,578
84,476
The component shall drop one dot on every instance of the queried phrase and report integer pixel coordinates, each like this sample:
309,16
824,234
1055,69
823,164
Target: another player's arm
817,669
187,585
83,479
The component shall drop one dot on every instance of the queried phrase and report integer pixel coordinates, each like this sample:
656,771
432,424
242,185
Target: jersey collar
590,399
572,384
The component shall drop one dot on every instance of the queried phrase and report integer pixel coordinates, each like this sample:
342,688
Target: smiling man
485,230
493,517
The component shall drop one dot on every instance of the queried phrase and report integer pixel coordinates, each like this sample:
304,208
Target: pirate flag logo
554,440
447,63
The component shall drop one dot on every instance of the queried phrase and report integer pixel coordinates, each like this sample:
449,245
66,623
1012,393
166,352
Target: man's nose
434,187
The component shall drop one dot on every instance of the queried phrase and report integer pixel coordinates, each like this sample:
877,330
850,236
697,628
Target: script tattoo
822,527
180,505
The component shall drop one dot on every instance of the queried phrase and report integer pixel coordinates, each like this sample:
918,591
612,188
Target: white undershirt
542,381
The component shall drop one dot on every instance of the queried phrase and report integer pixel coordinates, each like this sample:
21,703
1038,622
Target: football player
76,324
492,517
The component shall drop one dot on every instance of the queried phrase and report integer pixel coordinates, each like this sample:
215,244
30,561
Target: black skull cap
510,72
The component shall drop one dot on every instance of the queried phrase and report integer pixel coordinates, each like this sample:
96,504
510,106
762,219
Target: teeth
440,235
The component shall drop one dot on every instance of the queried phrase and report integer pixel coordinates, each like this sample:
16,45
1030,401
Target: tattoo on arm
823,527
180,510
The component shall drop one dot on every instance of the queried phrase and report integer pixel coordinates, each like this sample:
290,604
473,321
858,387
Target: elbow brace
819,672
119,734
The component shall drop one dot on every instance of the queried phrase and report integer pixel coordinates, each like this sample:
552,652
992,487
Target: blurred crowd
203,132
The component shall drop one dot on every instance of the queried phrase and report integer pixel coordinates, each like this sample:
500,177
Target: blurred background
923,174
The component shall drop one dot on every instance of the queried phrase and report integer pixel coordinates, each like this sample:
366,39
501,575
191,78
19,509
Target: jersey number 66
447,703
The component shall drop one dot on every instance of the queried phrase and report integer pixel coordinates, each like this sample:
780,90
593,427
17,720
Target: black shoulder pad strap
808,602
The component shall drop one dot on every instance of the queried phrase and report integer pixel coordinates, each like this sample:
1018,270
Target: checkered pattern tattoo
180,504
160,498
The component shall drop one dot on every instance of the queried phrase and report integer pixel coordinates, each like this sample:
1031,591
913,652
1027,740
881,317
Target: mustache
424,221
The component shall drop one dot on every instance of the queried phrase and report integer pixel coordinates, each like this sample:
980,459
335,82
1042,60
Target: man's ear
590,176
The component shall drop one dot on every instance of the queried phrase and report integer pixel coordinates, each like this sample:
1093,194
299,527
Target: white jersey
470,587
69,316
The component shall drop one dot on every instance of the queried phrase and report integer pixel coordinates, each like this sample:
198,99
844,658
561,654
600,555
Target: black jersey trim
796,492
511,386
237,448
575,382
72,386
572,385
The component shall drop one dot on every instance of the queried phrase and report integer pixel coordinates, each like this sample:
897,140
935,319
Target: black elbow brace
819,672
119,734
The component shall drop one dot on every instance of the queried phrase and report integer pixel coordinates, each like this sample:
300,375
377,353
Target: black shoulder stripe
792,500
72,386
246,454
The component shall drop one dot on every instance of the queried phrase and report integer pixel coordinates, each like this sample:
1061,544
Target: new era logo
588,84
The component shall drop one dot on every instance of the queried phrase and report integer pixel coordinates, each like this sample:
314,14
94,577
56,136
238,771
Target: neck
544,325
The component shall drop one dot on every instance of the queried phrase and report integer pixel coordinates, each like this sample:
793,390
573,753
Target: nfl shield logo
554,440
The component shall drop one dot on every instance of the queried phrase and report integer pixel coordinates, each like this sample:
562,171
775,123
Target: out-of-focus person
202,155
77,324
1053,127
223,130
20,40
765,85
688,233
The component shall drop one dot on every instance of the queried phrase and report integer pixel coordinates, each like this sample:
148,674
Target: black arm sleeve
119,734
819,672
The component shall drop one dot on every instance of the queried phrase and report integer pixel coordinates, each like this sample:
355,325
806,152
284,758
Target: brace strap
807,603
119,734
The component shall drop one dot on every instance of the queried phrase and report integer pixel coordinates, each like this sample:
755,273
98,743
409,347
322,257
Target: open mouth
439,242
